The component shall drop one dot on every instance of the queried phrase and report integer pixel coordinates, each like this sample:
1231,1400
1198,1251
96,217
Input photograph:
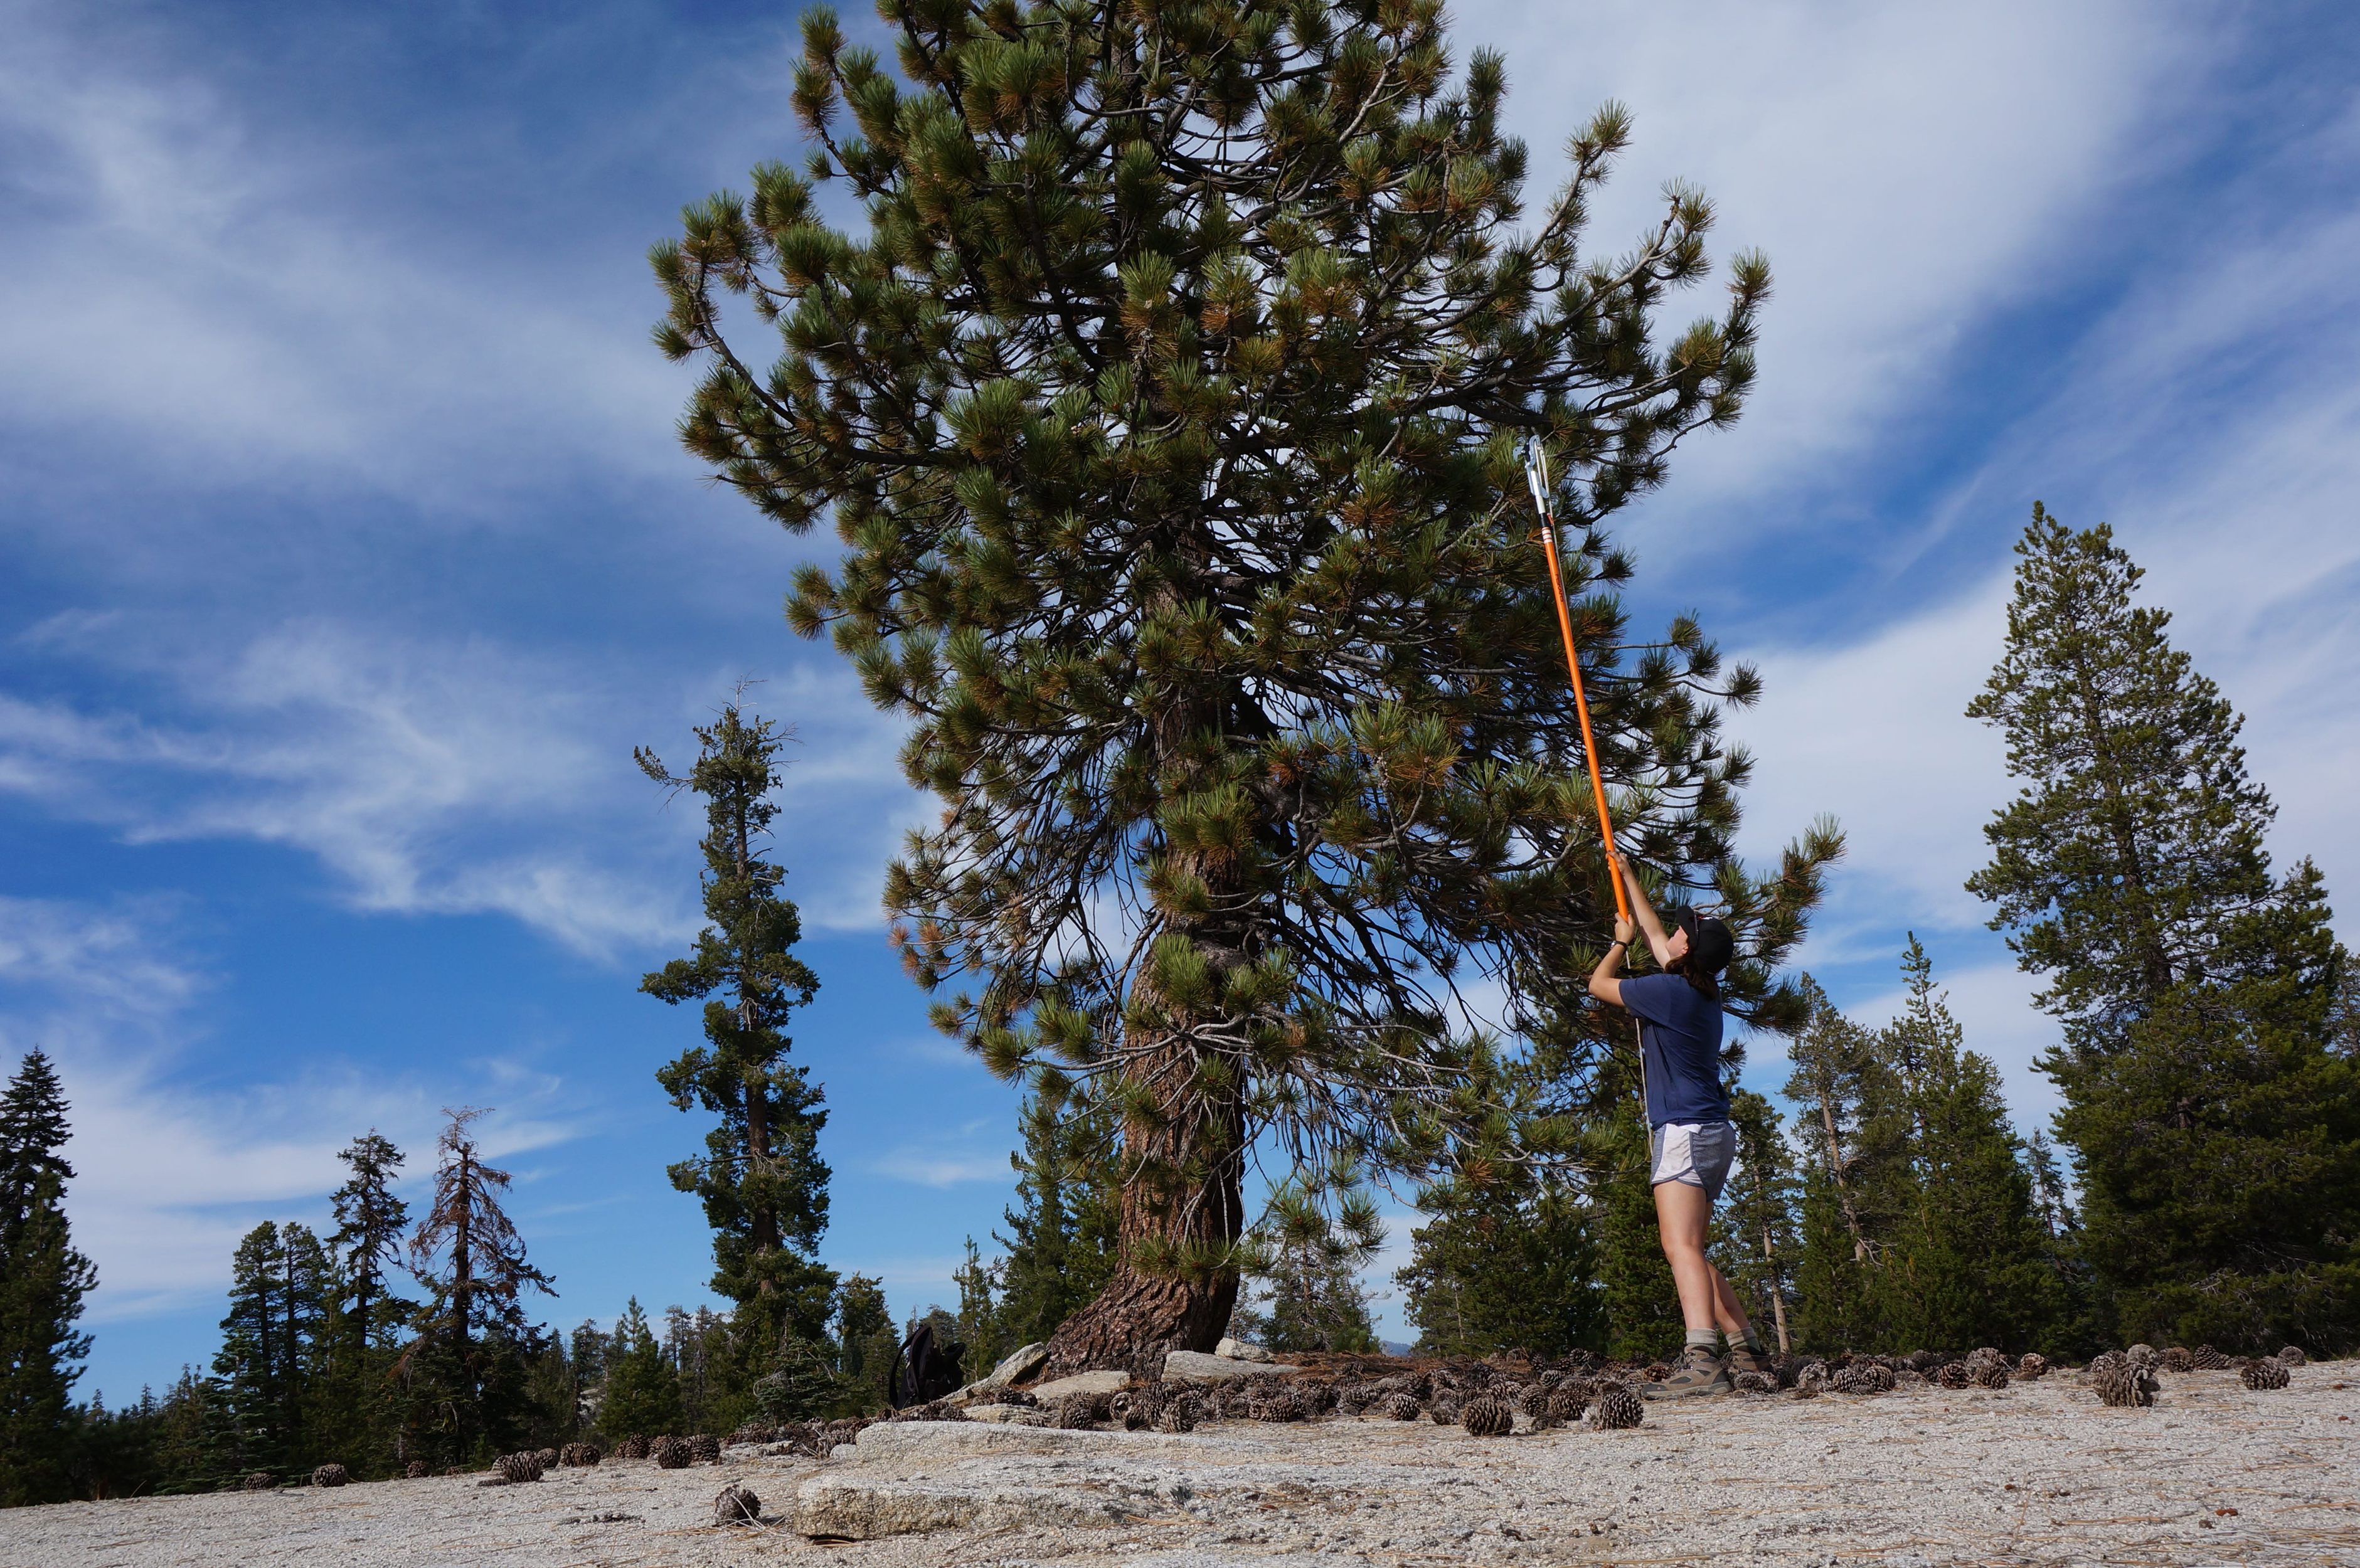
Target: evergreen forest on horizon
1168,405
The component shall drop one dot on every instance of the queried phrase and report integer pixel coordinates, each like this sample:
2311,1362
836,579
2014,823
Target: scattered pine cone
1755,1382
1488,1415
1180,1413
634,1446
1077,1412
1275,1404
2140,1355
518,1468
737,1504
2125,1387
1445,1409
579,1456
2292,1356
1863,1378
1398,1407
669,1454
1991,1374
704,1448
1812,1378
417,1470
2207,1359
1656,1371
2036,1365
1954,1375
1569,1400
335,1475
1618,1410
257,1482
2265,1373
1353,1398
2177,1359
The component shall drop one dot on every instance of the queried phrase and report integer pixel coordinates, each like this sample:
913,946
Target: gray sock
1753,1340
1705,1339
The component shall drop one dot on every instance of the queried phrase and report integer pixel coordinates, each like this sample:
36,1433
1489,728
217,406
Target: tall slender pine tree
762,1181
42,1282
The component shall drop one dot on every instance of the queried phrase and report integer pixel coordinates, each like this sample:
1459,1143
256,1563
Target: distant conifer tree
1970,1263
43,1281
1319,1229
274,1343
642,1391
1168,399
468,1363
2216,1119
1758,1241
1505,1261
762,1181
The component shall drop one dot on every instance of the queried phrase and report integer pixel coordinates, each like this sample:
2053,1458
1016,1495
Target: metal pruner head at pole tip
1537,472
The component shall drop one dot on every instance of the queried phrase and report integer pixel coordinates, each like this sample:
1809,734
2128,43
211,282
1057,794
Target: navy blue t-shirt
1679,1040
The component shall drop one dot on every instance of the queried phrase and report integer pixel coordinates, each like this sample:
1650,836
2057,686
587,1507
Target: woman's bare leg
1683,1214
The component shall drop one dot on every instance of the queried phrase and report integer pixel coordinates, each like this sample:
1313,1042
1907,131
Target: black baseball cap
1709,943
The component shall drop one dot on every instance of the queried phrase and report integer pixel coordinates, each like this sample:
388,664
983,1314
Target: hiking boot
1699,1372
1743,1360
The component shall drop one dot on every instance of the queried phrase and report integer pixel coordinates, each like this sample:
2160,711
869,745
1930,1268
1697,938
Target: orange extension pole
1536,475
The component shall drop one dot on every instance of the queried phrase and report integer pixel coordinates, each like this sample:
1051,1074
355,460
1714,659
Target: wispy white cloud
458,778
172,1166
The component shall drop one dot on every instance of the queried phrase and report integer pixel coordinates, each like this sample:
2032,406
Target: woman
1690,1141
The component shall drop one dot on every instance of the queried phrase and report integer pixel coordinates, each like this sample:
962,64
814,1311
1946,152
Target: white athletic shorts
1698,1153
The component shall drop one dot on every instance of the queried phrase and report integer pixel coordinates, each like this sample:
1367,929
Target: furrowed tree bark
1184,1163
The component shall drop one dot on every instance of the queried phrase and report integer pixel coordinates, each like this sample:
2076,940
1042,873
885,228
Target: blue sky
345,553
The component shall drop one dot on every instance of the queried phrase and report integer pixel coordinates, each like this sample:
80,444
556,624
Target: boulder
1012,1369
923,1445
1081,1383
851,1507
1214,1369
1241,1350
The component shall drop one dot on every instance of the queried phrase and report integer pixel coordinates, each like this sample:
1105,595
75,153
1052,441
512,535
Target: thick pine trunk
1142,1314
1183,1170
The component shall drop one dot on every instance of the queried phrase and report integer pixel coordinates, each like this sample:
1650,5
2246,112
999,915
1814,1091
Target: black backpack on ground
924,1371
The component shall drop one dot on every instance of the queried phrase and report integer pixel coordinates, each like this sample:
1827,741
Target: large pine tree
1167,403
42,1282
273,1343
2216,1119
762,1181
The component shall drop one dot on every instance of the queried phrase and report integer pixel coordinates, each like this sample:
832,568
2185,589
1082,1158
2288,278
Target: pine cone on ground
2265,1373
1077,1412
754,1431
1991,1374
669,1454
2125,1387
1488,1415
2177,1359
1755,1382
257,1482
2140,1355
2292,1356
516,1468
1444,1409
704,1448
634,1446
2035,1365
416,1470
579,1456
1570,1400
1867,1378
1812,1378
1180,1413
1131,1411
1656,1371
1276,1404
1317,1397
737,1504
1954,1375
330,1474
1618,1410
2207,1359
1398,1407
1352,1398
